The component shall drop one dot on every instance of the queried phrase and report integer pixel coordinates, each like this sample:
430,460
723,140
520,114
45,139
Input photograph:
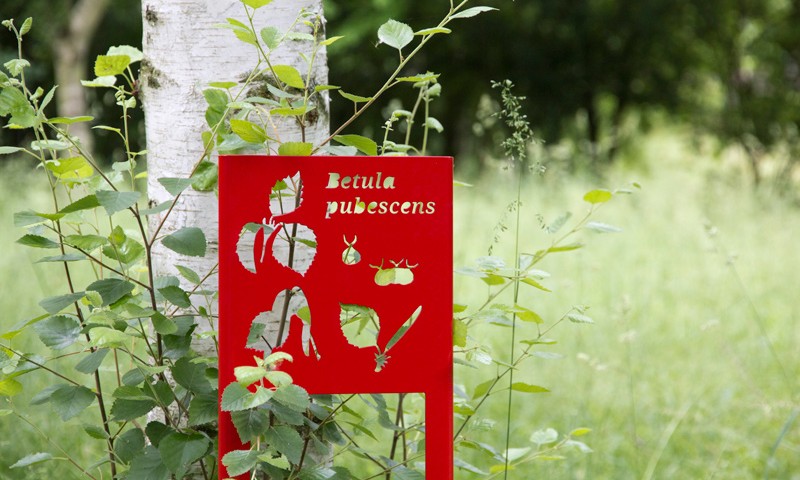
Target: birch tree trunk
184,51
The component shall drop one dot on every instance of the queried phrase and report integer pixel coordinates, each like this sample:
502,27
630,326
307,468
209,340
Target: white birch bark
184,51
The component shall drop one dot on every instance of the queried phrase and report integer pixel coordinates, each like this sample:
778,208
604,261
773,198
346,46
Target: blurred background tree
596,72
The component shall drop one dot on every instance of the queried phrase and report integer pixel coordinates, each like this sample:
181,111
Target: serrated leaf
471,12
250,423
248,375
187,241
96,431
37,241
248,131
179,450
257,3
108,65
395,34
191,376
459,333
293,396
86,242
32,459
598,196
365,145
54,305
148,466
286,440
114,201
235,397
175,185
111,289
124,409
70,400
85,203
238,462
289,75
26,26
482,389
176,296
58,332
271,37
92,362
128,445
203,408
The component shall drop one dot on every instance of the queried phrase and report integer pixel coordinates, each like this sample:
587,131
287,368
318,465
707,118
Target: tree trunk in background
71,54
184,51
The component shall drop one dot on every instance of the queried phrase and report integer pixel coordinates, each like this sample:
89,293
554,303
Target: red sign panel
345,263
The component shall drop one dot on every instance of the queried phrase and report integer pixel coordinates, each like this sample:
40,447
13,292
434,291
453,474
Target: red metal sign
325,243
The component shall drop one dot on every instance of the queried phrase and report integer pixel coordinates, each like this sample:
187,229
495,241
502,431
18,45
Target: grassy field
690,370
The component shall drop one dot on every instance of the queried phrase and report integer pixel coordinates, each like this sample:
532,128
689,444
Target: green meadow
689,371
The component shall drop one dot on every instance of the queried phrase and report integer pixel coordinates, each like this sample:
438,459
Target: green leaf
179,450
545,436
431,122
250,423
482,389
579,318
579,432
85,203
459,333
108,337
471,12
191,376
163,325
271,37
96,431
114,201
354,98
363,144
14,102
111,289
100,82
187,241
433,31
602,227
92,362
148,466
133,53
26,26
248,131
128,445
176,296
527,315
238,462
86,242
527,388
248,375
286,440
58,332
395,34
175,185
289,75
292,396
54,305
331,40
205,177
70,257
295,149
236,397
189,274
70,400
257,3
31,459
8,150
37,241
403,329
70,120
127,410
598,196
127,253
107,65
204,408
9,387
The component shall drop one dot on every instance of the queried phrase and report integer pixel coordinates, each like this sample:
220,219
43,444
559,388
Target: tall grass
692,367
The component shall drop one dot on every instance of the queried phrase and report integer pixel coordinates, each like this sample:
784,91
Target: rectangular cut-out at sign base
360,270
